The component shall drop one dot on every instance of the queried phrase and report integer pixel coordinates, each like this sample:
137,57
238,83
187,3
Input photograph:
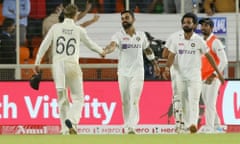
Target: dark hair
7,23
190,15
128,11
61,17
207,21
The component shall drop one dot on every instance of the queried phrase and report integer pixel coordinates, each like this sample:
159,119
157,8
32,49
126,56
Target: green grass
233,138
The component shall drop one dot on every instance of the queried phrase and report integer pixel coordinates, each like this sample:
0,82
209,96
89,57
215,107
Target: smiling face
206,29
127,20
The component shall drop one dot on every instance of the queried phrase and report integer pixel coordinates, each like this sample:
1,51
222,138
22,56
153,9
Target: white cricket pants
189,93
131,90
209,95
69,75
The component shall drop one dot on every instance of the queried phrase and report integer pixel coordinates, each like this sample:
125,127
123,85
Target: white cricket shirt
130,61
188,56
65,40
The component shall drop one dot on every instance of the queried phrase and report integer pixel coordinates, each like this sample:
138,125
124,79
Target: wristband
150,57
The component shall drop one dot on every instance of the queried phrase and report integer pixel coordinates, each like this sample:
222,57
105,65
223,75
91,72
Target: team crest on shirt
193,44
138,38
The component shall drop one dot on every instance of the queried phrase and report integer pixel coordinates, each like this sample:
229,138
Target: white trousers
69,75
189,94
209,95
131,90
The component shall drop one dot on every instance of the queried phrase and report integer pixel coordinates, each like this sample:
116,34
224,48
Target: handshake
108,49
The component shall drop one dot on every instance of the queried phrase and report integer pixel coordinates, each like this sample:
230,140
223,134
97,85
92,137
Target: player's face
127,20
188,25
206,29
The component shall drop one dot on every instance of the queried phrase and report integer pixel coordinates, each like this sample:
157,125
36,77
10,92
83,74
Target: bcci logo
138,38
192,44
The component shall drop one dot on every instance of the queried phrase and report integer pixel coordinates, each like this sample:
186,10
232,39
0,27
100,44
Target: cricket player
131,44
65,39
179,104
189,48
211,83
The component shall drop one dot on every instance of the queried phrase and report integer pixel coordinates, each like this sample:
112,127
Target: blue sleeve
25,8
5,10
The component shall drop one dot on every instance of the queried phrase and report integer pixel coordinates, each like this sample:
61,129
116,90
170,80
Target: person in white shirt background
178,109
65,39
132,45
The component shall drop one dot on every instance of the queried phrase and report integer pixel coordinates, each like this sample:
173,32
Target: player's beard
187,29
126,25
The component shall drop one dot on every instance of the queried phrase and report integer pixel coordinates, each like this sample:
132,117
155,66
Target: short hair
128,11
70,11
7,23
190,15
207,21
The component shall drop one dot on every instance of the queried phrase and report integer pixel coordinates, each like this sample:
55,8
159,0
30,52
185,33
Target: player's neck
130,31
205,37
188,35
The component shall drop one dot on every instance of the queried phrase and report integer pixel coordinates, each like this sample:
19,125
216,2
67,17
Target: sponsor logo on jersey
126,46
186,52
180,44
125,38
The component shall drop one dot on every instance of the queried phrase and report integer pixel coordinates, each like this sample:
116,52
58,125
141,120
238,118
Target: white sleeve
172,47
45,44
168,42
116,39
218,48
89,43
145,41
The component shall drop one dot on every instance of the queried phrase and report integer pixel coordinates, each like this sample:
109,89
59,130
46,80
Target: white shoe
219,130
206,130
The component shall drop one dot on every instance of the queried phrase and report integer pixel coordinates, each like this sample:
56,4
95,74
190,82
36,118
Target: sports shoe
72,131
131,131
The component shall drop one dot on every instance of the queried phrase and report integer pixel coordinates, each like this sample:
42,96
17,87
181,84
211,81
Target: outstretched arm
110,48
89,22
82,14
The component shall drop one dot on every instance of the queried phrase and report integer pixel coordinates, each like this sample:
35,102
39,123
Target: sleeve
218,48
5,11
47,41
116,39
171,45
168,42
89,43
145,41
25,10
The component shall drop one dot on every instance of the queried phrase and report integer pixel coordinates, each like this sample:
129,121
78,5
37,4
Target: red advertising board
21,105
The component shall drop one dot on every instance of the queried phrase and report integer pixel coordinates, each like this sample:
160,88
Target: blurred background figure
219,6
156,6
34,28
174,6
7,48
9,11
55,9
140,5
